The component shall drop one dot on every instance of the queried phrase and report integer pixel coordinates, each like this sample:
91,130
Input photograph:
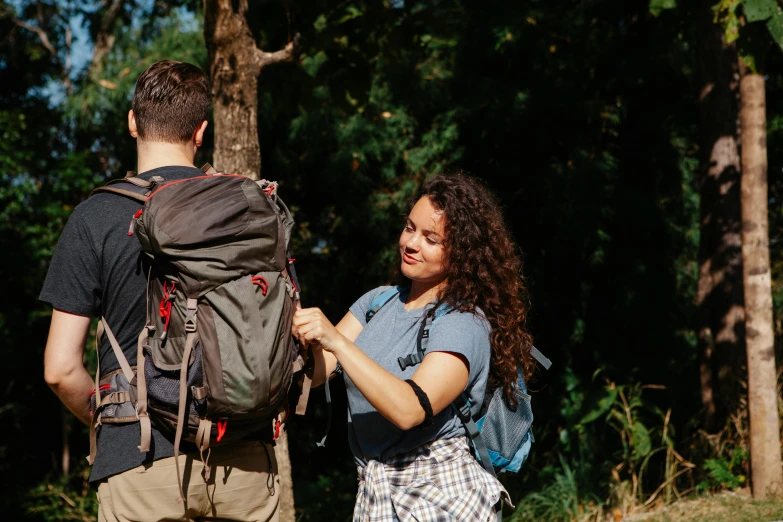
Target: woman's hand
311,326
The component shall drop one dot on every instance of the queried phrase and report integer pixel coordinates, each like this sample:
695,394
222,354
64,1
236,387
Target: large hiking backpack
216,357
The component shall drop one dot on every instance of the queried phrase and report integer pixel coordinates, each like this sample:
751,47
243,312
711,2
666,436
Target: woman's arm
325,362
441,375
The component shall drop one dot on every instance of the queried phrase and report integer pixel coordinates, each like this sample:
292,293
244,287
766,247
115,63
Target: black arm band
424,401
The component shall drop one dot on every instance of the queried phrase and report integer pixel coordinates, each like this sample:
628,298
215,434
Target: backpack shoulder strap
381,300
423,337
209,170
134,188
462,405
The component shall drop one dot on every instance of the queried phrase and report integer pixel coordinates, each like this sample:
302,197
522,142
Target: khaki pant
244,486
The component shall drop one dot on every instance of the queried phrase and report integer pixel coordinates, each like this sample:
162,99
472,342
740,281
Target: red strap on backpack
261,282
222,425
165,304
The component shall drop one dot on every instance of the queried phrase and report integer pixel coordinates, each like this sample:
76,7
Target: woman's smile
409,259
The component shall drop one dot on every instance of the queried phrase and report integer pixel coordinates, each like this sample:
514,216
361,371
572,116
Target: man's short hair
171,101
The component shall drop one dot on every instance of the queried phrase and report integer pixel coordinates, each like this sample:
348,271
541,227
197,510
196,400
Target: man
96,271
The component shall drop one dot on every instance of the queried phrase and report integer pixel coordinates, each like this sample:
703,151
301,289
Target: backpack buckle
410,360
190,316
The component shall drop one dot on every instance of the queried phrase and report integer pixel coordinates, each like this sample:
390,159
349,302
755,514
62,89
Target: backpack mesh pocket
504,429
163,386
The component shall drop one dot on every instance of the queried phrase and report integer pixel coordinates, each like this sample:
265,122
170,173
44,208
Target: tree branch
41,36
65,68
290,53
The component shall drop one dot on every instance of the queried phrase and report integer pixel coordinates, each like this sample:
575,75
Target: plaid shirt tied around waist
437,482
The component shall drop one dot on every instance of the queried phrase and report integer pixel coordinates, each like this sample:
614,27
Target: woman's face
421,244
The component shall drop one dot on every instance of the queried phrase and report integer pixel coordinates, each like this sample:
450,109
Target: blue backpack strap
380,301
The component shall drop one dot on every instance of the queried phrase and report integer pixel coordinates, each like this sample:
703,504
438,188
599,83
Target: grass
725,507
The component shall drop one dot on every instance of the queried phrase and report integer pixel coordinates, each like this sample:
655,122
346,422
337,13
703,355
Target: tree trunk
765,460
287,513
720,312
234,64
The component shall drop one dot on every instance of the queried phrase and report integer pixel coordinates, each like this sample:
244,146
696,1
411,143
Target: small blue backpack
502,437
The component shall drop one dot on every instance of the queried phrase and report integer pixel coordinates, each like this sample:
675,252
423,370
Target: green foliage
726,15
563,499
646,438
756,10
658,6
725,472
59,499
741,20
330,496
775,26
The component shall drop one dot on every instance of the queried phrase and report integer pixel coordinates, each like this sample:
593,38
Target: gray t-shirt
392,333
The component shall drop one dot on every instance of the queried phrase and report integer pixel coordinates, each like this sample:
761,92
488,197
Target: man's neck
155,154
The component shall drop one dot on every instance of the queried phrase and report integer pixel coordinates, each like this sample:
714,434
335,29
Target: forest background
593,122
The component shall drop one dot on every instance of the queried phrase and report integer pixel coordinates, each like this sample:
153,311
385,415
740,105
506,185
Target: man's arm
64,369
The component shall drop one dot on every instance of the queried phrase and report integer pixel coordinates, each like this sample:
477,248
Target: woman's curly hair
483,271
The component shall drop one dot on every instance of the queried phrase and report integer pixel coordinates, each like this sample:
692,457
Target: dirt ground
725,507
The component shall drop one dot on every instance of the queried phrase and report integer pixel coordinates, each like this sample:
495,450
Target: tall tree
766,465
740,23
235,62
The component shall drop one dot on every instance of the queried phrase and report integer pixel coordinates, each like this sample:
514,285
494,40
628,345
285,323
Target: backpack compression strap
190,328
113,398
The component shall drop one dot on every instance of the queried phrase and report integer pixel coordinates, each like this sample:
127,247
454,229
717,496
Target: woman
413,457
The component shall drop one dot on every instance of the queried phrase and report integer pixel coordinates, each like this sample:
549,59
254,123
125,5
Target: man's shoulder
105,210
